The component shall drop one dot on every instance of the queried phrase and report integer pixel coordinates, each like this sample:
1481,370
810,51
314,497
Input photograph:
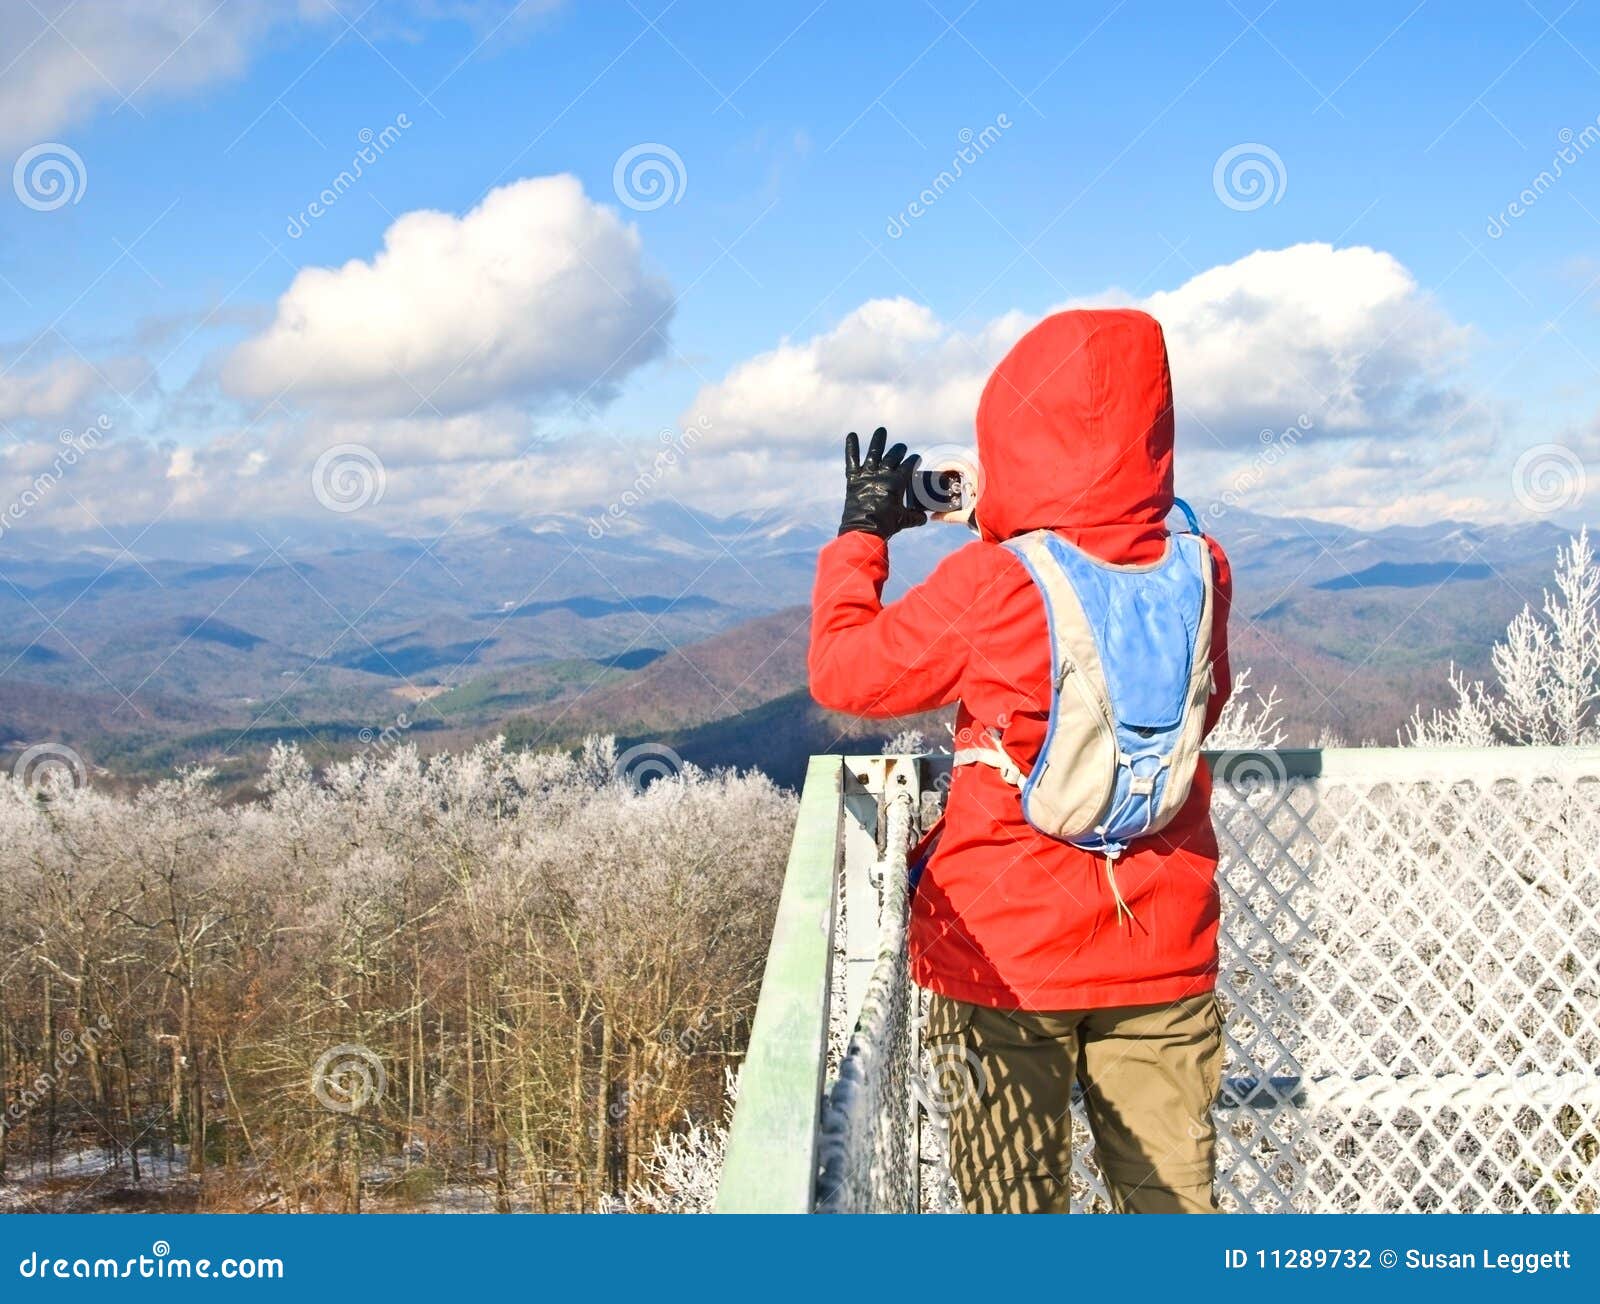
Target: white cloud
538,291
70,58
1344,335
66,387
890,362
67,58
46,393
436,470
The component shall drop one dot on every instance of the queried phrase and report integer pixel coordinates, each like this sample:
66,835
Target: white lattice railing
1409,976
1410,980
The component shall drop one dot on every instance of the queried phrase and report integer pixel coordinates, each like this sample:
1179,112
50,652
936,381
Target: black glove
877,490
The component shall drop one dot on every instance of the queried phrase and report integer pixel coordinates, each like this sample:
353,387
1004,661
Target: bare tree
492,975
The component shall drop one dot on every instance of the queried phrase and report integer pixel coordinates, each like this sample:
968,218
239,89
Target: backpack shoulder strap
1072,640
1189,517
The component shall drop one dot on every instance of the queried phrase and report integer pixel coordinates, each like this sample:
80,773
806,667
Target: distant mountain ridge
663,619
1406,575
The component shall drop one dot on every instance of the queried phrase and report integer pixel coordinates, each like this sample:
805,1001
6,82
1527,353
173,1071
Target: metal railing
1409,980
826,1117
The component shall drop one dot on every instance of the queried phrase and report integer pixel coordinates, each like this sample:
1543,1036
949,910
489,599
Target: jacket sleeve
871,660
1221,606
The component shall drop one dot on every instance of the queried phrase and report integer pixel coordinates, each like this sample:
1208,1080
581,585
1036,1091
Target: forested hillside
490,979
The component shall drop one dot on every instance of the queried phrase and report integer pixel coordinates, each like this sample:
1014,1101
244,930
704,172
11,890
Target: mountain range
209,643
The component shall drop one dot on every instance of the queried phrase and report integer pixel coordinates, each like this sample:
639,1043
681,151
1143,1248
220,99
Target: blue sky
204,133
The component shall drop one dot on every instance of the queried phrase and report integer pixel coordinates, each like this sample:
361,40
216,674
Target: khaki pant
1149,1074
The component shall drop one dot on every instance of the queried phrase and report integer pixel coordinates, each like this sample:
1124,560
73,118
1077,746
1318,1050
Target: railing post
771,1160
869,1152
860,889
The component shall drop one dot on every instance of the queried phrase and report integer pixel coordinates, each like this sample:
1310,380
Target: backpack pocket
1075,777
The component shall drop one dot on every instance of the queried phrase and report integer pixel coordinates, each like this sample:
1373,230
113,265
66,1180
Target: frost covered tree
908,742
684,1167
1247,723
1547,671
493,974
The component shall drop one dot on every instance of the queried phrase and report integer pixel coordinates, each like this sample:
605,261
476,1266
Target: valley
674,627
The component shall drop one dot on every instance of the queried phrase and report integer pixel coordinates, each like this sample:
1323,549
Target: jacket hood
1075,434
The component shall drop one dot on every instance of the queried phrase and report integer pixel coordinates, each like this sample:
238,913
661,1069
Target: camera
936,491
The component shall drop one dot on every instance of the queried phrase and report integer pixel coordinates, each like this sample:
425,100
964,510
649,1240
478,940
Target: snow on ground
89,1180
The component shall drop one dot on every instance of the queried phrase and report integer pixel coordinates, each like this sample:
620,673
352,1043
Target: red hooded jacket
1074,435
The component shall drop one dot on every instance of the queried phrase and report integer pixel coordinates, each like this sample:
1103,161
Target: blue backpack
1130,657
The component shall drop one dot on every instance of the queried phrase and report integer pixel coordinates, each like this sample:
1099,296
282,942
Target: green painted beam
1414,764
771,1161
